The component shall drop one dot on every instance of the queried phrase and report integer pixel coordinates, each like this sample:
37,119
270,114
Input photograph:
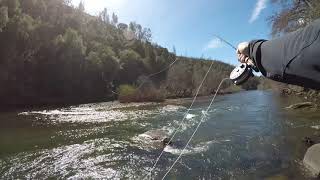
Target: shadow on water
248,135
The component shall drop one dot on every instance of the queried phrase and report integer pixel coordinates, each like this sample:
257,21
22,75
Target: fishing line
193,101
151,75
195,131
182,121
169,66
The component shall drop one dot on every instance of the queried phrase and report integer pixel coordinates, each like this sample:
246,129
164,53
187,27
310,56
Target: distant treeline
52,52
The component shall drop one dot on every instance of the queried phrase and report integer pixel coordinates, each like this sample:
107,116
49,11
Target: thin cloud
261,5
214,44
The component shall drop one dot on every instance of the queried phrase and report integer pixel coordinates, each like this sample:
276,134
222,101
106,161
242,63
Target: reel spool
241,74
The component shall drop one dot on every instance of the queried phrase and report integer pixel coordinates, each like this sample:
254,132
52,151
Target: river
248,135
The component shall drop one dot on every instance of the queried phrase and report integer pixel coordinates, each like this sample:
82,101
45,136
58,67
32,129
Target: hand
243,53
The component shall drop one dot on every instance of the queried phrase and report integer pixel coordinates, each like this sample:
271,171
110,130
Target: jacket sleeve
293,54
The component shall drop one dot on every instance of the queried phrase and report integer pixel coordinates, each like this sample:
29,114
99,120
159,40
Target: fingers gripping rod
243,71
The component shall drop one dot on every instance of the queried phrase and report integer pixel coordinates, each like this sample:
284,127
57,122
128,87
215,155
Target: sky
190,25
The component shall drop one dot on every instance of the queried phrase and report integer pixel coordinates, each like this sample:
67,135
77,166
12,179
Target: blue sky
190,25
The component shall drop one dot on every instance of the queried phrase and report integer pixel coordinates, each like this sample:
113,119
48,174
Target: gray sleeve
273,57
255,54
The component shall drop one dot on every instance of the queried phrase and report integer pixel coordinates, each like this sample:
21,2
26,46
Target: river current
248,135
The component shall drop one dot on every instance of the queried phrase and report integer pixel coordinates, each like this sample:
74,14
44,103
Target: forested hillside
294,14
52,52
184,78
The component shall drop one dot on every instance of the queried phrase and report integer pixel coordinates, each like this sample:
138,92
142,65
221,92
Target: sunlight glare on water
240,139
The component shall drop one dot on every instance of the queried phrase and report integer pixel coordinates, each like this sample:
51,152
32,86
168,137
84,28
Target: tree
141,34
70,51
54,50
25,26
104,16
13,7
71,44
81,7
131,66
4,19
174,50
114,19
146,35
293,15
123,26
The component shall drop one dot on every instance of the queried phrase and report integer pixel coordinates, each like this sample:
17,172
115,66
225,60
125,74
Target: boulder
159,135
312,160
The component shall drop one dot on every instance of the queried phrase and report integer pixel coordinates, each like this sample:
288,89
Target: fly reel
241,74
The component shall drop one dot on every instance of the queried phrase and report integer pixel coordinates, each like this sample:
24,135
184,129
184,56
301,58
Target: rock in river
158,138
156,134
312,160
301,105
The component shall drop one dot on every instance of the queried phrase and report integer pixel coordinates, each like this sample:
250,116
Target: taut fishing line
153,74
182,121
195,131
239,75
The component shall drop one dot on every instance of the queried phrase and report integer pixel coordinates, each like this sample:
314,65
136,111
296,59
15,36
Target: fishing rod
225,41
243,72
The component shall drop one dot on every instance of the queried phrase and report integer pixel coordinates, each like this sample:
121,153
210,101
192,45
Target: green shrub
129,93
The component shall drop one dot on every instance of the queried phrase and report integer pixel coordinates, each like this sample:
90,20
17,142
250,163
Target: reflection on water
245,136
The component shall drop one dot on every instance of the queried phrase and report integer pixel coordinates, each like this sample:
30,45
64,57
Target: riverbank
23,103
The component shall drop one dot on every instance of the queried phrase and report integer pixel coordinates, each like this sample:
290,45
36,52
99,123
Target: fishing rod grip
250,62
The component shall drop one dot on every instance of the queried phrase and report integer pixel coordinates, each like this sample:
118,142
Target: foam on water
200,148
204,113
316,127
89,115
233,108
190,116
172,108
190,121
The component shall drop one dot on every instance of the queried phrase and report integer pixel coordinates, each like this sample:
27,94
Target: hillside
56,53
185,77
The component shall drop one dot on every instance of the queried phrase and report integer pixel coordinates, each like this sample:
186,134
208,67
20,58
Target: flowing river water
248,135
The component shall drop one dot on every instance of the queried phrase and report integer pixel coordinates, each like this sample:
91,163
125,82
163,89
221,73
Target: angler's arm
293,58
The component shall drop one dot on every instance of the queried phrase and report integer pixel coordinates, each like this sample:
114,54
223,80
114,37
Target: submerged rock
301,105
158,138
312,160
156,134
166,141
